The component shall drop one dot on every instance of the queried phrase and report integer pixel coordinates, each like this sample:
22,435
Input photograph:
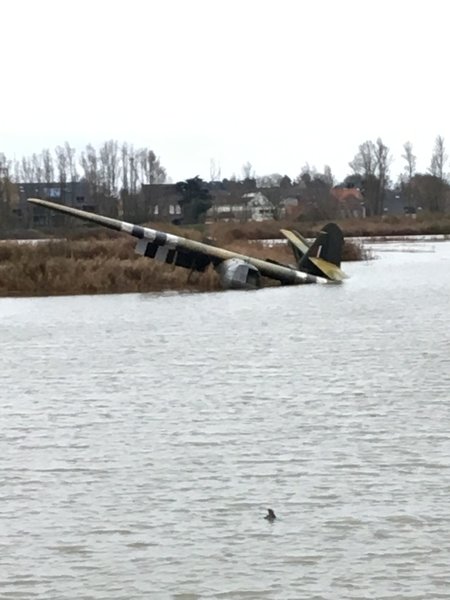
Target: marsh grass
89,267
107,263
425,224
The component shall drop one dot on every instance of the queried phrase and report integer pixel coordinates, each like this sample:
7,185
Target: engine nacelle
236,274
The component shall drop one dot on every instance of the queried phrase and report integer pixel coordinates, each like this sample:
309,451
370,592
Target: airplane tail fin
297,242
323,257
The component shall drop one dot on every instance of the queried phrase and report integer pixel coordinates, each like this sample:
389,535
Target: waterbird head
270,515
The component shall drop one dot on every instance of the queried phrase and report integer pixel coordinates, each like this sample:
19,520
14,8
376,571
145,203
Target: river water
143,437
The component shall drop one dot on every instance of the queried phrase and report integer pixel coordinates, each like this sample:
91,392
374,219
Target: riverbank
372,227
226,232
110,265
83,260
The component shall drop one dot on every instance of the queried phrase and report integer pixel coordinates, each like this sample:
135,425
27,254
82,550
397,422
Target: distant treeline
108,169
114,168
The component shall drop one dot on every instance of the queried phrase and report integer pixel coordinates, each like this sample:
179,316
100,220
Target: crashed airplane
315,263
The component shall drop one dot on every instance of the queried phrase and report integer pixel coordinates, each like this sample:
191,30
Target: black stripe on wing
180,257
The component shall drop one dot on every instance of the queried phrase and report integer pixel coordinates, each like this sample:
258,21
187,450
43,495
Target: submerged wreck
318,262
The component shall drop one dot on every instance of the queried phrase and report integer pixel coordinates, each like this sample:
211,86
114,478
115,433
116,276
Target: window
53,192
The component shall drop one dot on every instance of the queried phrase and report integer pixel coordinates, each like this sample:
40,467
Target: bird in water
271,516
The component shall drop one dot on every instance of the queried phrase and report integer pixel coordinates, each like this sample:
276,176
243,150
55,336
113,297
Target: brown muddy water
143,437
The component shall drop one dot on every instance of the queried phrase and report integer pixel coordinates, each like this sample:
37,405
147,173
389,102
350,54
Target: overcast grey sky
277,83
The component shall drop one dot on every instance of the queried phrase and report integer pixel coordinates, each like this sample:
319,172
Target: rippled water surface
142,438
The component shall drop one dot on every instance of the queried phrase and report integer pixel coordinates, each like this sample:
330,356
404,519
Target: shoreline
110,265
92,260
226,231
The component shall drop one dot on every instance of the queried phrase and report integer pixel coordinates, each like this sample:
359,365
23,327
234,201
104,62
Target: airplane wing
236,270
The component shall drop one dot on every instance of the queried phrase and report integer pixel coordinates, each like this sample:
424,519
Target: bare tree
215,171
247,171
37,168
383,160
438,187
150,169
124,158
438,158
156,173
268,181
307,173
429,192
8,194
61,164
406,180
26,169
71,162
109,167
17,170
134,177
47,165
5,165
328,177
316,192
372,164
310,173
410,159
89,164
141,165
364,162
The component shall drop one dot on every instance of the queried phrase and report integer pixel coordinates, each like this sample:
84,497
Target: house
156,202
290,208
251,206
350,202
396,203
259,207
71,193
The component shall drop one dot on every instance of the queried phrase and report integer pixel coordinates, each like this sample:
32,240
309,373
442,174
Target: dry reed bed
109,265
394,225
89,267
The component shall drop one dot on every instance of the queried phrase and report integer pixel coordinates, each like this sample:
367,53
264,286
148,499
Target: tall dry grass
89,267
425,224
108,264
97,260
